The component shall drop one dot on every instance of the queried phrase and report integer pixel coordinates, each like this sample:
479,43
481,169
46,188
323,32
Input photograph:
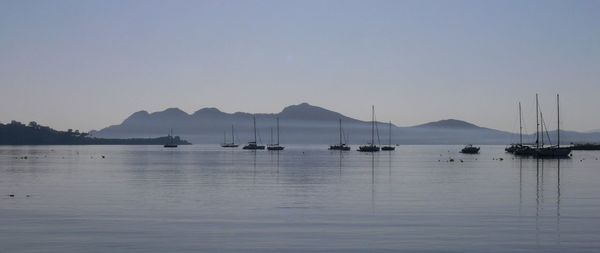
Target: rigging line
545,127
259,139
345,138
377,130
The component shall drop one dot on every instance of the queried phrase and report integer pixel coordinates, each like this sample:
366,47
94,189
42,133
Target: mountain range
308,124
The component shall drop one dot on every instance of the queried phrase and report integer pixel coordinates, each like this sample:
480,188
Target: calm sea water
303,199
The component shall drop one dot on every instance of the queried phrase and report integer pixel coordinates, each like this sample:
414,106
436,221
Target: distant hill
450,123
305,124
17,133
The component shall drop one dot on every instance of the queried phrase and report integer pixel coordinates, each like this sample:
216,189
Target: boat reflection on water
541,201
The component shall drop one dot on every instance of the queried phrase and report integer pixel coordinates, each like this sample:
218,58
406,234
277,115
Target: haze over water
304,199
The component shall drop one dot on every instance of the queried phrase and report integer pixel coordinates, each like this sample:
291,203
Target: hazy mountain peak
137,115
299,107
140,113
208,111
449,123
308,112
174,111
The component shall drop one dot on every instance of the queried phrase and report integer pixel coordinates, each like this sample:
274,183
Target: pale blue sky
89,64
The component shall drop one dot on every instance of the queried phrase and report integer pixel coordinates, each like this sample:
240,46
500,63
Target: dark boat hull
524,151
553,152
255,147
550,152
170,145
339,147
275,148
513,148
470,150
368,149
230,145
388,148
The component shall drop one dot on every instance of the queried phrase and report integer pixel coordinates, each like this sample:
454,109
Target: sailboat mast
340,132
520,125
537,122
254,119
277,131
558,120
224,139
390,135
373,125
232,138
542,127
271,139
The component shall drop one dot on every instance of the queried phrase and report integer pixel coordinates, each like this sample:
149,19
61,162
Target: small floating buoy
451,159
501,159
28,195
11,195
103,157
461,160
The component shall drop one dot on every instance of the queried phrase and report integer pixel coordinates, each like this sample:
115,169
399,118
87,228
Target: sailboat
229,144
252,145
554,151
171,143
515,147
276,145
525,150
371,147
389,147
340,146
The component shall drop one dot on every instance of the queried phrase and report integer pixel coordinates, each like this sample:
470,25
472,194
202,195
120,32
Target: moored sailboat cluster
538,149
541,148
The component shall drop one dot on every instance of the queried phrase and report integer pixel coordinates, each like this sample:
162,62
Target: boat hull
388,148
254,147
339,147
553,152
513,148
524,151
275,148
368,149
470,150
